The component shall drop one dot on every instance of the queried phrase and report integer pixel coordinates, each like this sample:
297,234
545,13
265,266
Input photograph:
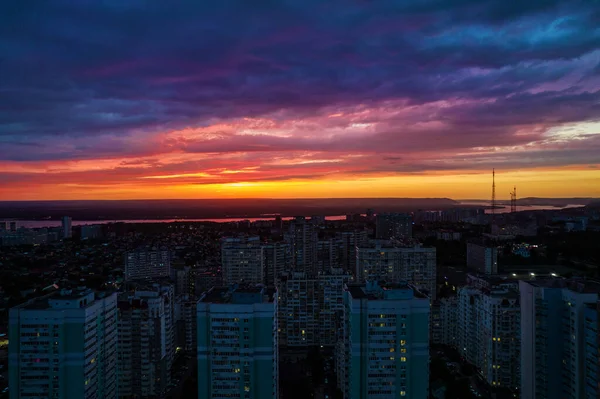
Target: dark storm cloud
84,79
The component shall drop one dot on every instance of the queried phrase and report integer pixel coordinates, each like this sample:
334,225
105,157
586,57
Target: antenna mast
493,196
513,200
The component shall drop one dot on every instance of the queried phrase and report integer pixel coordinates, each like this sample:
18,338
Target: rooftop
154,284
239,295
63,296
396,244
378,291
585,286
482,241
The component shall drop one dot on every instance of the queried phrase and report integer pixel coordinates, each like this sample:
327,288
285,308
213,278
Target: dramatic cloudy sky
298,98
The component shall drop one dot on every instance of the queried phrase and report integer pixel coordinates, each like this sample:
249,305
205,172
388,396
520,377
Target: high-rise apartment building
436,323
303,237
393,225
592,367
64,345
350,241
237,343
488,330
329,254
384,260
553,341
24,237
482,257
146,340
182,280
8,225
185,322
91,231
448,320
241,260
205,279
384,352
67,229
147,264
277,258
309,307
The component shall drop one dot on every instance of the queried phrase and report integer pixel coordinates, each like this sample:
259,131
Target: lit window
402,359
392,358
236,370
403,350
402,342
402,393
303,332
93,360
247,389
392,349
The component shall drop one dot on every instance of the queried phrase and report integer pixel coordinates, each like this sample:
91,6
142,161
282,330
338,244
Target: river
35,224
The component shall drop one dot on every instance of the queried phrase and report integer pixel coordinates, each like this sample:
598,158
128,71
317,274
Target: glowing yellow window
236,370
402,359
247,389
392,358
402,342
392,350
403,350
303,332
402,393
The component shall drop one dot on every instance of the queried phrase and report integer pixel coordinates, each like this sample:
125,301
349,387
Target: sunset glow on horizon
379,100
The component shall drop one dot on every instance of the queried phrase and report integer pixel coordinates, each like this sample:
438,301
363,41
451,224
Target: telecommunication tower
493,196
513,200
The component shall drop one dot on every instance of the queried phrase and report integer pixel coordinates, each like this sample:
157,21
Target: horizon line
295,199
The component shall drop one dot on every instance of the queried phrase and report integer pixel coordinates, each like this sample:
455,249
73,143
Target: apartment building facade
64,345
237,343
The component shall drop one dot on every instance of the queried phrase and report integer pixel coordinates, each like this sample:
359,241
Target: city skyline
298,99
